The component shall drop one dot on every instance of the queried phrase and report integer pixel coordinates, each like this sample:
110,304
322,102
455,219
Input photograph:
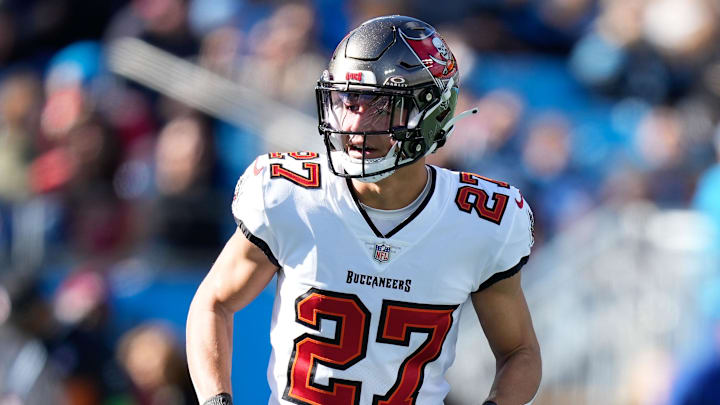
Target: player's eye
352,107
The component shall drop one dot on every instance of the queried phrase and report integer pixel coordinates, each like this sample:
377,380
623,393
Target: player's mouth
357,152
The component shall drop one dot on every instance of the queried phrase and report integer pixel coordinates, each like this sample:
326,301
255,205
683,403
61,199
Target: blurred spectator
154,360
220,49
162,23
547,149
650,49
682,30
623,186
73,137
80,346
188,214
183,156
661,141
97,223
658,138
283,60
27,376
559,191
20,100
95,153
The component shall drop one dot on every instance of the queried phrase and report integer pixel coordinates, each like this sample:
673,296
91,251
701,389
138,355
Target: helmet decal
434,53
395,81
360,76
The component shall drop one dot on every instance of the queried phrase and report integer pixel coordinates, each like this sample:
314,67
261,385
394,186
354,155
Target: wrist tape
222,398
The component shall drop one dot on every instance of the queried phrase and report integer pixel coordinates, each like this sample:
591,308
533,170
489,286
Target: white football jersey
361,317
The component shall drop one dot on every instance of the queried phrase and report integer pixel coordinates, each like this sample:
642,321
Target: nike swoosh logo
257,171
520,203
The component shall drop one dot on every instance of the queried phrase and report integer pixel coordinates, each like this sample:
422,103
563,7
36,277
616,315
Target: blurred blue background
124,126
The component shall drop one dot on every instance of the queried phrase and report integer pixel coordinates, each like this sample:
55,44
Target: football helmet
393,76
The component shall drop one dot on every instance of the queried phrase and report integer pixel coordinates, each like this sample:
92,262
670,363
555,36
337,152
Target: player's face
364,113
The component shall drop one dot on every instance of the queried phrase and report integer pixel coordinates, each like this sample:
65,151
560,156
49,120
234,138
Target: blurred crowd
582,103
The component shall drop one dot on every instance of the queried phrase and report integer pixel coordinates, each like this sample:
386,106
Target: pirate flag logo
434,54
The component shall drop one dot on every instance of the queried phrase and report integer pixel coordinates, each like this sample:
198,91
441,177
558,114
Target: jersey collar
403,224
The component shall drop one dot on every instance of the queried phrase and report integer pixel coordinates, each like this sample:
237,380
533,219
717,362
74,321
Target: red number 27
398,320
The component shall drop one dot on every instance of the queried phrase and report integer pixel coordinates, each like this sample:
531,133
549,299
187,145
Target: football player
375,252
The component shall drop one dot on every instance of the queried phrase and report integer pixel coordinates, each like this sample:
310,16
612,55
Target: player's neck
396,191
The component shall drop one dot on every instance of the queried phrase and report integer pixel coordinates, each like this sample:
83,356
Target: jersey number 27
398,320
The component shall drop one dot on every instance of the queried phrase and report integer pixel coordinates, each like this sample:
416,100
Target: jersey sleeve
518,240
249,209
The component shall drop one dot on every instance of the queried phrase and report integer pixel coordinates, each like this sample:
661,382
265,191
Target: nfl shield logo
382,253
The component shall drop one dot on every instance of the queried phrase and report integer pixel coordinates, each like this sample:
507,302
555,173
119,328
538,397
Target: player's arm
240,273
505,318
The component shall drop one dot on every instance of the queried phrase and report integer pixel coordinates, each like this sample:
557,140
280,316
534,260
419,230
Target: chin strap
449,126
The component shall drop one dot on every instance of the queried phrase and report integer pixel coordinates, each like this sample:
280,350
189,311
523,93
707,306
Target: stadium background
125,124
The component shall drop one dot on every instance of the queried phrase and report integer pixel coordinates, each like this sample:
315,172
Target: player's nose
356,140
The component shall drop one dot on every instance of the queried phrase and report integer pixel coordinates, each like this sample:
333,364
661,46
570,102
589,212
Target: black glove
222,398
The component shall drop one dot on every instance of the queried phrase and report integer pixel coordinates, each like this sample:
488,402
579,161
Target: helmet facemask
360,112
